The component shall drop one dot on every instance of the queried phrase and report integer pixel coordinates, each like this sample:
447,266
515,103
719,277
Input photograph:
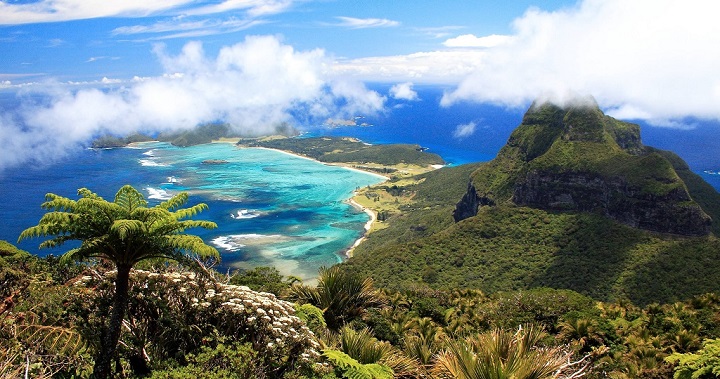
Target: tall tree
123,232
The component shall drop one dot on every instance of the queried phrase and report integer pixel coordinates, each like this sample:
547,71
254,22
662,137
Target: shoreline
343,165
347,253
368,225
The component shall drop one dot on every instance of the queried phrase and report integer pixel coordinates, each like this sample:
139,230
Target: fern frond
33,231
150,216
174,202
352,369
192,244
87,194
124,228
189,212
57,202
55,339
70,256
55,242
129,198
189,224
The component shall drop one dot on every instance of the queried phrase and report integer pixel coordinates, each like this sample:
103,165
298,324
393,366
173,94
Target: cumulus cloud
469,40
465,130
655,60
361,23
253,85
403,91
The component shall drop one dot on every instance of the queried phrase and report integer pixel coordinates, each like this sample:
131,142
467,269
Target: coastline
368,225
343,165
373,216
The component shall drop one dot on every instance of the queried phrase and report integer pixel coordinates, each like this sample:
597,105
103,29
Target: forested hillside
566,204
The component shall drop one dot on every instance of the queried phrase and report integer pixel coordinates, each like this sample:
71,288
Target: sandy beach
343,165
368,225
371,213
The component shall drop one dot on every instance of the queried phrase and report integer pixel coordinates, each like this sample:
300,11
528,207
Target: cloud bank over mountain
652,60
253,85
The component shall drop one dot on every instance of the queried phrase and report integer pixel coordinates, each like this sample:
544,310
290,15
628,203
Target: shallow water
272,208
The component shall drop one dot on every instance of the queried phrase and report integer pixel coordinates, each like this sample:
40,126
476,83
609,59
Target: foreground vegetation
181,324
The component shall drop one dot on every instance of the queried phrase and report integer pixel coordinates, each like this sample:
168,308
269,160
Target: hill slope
514,235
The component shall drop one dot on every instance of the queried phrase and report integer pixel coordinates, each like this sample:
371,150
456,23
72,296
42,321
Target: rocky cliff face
470,203
575,158
671,212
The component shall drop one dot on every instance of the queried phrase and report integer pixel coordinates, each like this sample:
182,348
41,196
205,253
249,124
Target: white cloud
185,29
361,23
254,8
465,130
439,31
254,85
66,10
403,91
469,40
106,80
426,67
652,59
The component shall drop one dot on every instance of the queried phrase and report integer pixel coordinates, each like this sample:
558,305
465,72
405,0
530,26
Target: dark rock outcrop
469,204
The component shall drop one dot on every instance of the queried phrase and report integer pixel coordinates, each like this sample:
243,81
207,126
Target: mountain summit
575,158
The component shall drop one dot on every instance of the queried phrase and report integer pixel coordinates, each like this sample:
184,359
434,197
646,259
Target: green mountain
578,159
573,201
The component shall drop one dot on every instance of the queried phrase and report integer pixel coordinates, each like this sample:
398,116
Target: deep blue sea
280,210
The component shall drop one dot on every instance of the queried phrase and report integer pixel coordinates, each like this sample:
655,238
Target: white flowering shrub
174,313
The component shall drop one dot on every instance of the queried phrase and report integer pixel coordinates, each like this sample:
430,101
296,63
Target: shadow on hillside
592,258
680,268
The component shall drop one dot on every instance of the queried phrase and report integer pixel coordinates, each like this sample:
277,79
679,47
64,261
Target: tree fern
53,339
123,232
352,369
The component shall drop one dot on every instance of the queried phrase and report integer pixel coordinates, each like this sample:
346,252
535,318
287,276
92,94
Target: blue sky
42,41
124,66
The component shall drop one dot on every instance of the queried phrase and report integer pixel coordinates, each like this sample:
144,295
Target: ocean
276,209
272,208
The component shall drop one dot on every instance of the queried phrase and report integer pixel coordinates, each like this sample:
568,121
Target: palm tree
366,349
501,354
341,295
123,232
581,332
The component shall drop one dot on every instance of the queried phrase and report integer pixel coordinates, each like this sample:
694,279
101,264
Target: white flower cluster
271,322
237,311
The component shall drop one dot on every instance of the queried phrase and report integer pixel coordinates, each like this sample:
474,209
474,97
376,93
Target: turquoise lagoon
272,208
